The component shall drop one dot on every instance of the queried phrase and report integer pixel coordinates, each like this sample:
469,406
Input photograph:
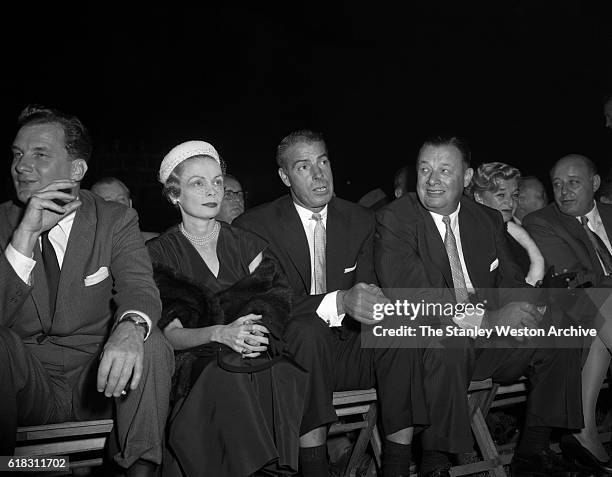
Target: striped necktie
450,244
319,255
598,244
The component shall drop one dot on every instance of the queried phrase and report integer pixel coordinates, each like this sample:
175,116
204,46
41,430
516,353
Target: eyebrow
202,177
443,164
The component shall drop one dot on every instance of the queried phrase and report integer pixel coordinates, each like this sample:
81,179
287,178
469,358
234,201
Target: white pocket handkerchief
97,277
348,270
494,265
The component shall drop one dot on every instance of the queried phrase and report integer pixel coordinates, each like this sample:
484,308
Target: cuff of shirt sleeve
22,265
328,311
142,315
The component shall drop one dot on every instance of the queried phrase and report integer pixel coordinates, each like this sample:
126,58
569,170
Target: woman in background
495,185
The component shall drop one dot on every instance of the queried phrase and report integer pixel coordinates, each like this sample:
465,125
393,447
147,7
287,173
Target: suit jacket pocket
96,277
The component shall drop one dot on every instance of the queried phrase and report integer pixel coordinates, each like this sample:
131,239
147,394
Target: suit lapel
78,248
575,229
337,235
472,247
606,218
295,241
435,245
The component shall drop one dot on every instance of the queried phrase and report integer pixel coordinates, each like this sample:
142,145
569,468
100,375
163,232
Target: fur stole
264,292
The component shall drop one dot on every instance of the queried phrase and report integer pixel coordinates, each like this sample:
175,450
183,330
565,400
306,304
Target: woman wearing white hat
224,308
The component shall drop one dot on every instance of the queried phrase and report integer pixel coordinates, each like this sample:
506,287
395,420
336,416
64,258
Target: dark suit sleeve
13,292
366,272
399,267
396,258
131,270
557,252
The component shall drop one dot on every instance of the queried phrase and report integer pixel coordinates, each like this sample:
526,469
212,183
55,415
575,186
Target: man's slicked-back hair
450,140
303,135
76,136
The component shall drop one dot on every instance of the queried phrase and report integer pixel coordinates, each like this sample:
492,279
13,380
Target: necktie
319,255
52,269
600,247
450,244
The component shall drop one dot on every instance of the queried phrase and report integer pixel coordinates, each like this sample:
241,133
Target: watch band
138,321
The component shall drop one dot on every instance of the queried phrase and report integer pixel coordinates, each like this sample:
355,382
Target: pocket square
494,265
97,277
348,270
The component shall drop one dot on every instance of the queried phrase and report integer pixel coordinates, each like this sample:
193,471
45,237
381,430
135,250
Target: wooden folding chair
360,403
65,439
480,398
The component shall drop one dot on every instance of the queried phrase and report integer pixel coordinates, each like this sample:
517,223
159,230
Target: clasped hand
244,336
359,302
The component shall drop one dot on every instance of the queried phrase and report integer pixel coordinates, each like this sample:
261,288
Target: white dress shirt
58,236
454,223
327,310
596,225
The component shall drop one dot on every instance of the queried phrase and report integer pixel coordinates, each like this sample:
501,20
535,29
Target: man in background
232,204
532,196
114,190
404,181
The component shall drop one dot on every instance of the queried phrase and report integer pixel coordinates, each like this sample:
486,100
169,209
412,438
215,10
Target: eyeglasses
234,195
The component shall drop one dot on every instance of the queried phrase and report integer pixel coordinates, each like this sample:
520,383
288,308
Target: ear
467,177
284,177
78,169
605,200
131,204
477,198
397,192
596,182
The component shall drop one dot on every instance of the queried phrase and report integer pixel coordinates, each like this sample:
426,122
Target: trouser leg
141,414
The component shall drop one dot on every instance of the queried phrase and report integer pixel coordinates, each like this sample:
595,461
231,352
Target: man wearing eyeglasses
232,204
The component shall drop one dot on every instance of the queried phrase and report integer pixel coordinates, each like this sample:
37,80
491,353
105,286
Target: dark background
523,81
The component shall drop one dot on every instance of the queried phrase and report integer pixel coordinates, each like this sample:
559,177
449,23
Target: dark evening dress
230,424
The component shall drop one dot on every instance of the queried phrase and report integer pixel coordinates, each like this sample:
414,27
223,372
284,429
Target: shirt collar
306,215
453,216
592,215
66,223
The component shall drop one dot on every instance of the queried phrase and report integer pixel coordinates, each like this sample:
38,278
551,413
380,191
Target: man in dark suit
573,234
324,246
79,304
438,240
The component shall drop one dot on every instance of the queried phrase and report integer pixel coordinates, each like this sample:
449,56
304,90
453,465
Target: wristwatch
137,320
